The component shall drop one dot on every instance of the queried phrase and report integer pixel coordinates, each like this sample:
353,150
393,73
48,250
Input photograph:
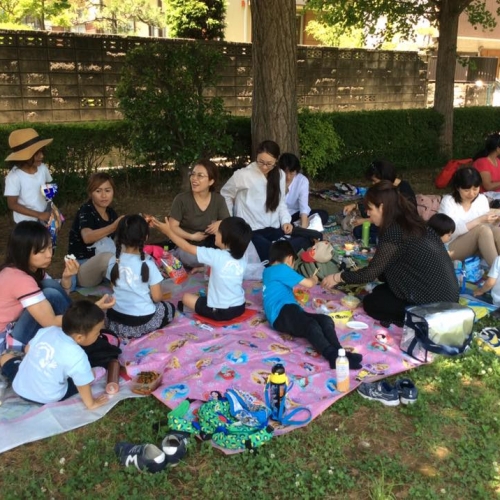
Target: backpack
104,349
307,269
237,420
444,177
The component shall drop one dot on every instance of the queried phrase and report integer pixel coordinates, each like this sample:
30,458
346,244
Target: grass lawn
446,446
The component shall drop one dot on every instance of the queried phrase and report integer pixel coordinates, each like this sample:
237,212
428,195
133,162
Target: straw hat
24,143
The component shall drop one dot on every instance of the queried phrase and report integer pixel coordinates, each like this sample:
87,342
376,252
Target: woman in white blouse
256,193
297,191
476,224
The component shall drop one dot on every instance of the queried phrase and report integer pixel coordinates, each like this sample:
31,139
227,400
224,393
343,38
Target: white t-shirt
297,198
225,287
451,208
53,357
493,273
133,296
28,189
245,194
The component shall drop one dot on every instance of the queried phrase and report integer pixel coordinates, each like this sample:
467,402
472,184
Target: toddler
136,280
444,226
225,298
55,366
23,184
491,283
285,314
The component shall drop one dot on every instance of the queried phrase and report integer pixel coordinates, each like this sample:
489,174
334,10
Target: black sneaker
407,391
144,457
174,446
379,391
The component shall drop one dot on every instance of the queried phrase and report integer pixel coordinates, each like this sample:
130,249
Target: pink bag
169,265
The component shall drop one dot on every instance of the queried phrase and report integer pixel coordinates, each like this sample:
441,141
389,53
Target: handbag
440,328
311,234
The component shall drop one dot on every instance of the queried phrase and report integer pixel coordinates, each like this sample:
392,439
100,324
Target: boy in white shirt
55,366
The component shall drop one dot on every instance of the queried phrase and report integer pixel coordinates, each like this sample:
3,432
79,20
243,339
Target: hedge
409,138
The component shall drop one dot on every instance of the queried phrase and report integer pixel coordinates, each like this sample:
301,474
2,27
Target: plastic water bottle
278,382
3,388
365,234
342,370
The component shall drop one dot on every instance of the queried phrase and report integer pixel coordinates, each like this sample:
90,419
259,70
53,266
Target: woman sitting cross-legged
196,214
476,225
410,260
256,193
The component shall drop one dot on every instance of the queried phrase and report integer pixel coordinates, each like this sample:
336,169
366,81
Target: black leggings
318,329
227,314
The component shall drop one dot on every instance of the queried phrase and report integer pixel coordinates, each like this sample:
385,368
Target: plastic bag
56,218
171,267
255,268
105,244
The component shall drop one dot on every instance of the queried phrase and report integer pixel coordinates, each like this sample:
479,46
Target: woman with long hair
476,225
256,193
410,259
486,162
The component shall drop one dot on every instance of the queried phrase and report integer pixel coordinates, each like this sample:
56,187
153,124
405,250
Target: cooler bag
441,328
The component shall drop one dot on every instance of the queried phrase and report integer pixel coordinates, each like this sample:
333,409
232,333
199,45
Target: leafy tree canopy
199,19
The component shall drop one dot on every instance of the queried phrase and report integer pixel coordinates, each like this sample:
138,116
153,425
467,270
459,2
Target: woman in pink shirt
488,164
29,298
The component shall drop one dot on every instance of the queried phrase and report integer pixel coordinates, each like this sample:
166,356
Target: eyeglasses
198,175
267,164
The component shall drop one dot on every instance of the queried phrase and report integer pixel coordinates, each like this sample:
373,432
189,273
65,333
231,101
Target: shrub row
409,138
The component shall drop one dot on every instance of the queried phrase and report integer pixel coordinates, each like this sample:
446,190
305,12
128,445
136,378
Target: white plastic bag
255,267
315,223
105,244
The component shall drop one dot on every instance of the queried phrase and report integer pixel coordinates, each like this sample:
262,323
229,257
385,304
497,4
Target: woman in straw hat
27,175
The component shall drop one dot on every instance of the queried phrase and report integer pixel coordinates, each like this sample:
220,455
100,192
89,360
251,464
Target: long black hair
28,237
273,177
491,144
132,231
396,209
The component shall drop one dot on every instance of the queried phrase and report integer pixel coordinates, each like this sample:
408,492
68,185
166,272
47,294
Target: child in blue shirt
285,314
55,366
225,298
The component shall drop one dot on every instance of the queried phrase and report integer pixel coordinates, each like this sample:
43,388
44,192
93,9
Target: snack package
56,218
171,267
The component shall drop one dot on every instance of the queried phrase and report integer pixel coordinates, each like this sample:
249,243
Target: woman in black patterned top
410,260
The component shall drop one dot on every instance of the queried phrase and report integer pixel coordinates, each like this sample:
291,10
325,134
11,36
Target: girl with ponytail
136,280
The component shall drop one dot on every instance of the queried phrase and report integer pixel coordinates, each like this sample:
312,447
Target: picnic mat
24,422
198,358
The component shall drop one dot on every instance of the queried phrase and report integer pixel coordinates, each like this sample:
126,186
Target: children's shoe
489,334
144,457
379,391
174,446
407,391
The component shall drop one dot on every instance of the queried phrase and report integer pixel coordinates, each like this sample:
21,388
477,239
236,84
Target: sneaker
407,391
489,334
144,457
379,391
174,446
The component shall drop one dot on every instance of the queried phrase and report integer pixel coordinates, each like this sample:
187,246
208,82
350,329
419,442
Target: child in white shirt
55,366
492,283
225,299
23,184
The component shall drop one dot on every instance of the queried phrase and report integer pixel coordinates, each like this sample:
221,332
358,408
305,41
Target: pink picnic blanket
198,358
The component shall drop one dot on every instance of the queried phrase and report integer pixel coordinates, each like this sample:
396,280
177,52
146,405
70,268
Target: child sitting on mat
136,280
225,299
285,314
55,366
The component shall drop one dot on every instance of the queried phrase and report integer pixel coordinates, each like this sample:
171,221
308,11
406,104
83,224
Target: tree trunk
274,61
445,72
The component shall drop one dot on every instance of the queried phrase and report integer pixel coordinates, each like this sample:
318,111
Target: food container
350,301
146,382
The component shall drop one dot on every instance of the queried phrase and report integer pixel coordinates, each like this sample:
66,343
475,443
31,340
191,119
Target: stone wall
62,77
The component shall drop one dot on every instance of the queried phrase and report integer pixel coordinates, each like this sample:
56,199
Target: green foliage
162,94
120,16
198,19
334,36
14,12
319,143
